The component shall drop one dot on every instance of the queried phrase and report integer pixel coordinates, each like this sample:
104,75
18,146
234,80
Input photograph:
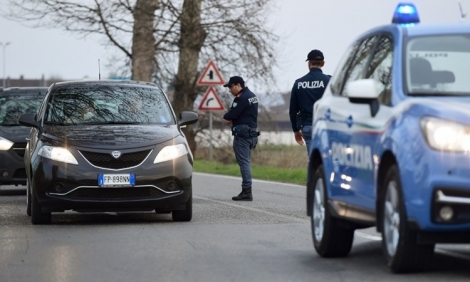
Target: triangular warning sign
211,101
210,75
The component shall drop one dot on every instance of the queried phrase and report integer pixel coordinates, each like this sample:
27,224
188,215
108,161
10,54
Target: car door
368,128
339,124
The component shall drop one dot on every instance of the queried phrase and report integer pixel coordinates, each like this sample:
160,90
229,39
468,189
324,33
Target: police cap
315,55
235,80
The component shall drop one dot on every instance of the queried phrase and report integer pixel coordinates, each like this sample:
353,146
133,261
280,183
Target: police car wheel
186,214
28,199
329,239
37,215
399,243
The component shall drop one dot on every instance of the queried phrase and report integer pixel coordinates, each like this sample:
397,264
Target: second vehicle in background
13,103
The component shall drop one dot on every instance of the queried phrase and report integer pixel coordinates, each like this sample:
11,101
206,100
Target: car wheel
28,199
37,215
399,243
329,239
187,213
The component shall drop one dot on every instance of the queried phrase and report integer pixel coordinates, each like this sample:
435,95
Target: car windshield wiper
56,123
110,122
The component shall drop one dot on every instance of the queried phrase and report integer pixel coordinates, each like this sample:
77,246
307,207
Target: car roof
23,90
438,29
422,29
105,82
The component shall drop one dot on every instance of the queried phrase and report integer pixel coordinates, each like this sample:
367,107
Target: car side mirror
364,91
187,117
28,120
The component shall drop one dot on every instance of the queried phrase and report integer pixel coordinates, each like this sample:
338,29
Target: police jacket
305,92
244,109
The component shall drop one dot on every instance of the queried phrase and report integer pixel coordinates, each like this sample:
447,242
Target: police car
391,143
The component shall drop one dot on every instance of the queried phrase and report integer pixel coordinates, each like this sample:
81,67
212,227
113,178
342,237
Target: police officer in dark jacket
243,116
305,92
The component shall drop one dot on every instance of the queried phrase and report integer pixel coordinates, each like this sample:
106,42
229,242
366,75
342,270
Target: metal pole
210,136
4,45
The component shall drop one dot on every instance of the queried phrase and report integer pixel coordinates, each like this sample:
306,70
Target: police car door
368,122
338,113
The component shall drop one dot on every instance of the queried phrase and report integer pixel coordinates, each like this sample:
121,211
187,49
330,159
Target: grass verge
262,172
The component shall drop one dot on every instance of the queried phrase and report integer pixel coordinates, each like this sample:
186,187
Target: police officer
243,116
305,92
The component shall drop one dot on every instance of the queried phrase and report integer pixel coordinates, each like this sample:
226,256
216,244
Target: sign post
210,101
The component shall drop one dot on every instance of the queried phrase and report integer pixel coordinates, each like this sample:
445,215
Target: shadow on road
368,257
12,192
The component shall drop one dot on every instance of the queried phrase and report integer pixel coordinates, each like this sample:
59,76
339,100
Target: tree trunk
143,41
190,43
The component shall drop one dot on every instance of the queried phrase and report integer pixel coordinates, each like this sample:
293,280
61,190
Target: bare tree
184,36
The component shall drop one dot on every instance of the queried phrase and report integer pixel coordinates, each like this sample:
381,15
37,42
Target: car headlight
57,154
5,144
170,153
446,135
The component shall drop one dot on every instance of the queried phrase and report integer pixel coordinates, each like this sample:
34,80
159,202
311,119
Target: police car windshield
21,102
438,65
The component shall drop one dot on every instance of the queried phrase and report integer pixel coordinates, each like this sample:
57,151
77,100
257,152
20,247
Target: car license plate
116,179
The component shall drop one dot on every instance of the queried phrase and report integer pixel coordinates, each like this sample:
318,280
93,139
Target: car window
13,105
359,63
338,77
438,65
88,104
380,68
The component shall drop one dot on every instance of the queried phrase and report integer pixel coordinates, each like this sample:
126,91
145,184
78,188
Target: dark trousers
242,148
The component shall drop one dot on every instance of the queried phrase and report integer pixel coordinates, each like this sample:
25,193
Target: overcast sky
303,25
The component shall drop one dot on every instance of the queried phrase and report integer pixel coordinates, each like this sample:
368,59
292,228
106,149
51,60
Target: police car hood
449,108
15,133
109,136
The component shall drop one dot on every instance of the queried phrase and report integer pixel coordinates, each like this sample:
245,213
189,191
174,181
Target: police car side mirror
364,91
28,120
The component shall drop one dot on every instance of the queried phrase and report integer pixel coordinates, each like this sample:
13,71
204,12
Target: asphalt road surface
268,239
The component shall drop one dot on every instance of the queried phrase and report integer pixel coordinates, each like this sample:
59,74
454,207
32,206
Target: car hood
15,133
451,108
109,136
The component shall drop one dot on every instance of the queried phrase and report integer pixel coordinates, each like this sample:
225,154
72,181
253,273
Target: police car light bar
406,13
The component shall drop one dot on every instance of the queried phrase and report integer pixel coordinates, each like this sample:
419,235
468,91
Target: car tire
37,215
330,239
399,243
187,213
28,199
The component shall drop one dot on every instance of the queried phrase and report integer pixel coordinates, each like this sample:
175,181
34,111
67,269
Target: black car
108,146
13,103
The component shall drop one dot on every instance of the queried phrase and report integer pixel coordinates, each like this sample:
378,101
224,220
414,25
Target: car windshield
12,106
108,104
437,65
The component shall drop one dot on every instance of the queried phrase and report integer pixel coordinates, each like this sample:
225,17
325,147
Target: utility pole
4,45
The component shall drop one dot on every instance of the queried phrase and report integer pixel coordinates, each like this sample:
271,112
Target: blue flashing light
406,13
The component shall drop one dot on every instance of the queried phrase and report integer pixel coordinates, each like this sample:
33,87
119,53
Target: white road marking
367,236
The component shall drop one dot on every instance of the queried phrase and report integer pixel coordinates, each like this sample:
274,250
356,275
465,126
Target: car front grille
106,160
19,148
131,193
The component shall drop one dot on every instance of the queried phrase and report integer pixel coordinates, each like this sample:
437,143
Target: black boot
245,195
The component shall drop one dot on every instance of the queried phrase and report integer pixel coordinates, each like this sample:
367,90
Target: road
268,239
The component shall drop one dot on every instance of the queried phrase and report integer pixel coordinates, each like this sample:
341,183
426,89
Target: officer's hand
298,137
229,121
